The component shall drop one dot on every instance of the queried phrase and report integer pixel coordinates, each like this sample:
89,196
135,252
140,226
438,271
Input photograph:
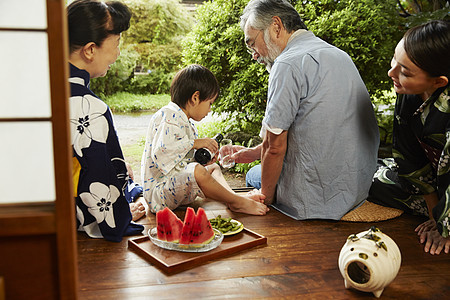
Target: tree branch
405,13
419,9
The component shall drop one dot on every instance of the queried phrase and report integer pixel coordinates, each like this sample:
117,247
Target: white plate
214,243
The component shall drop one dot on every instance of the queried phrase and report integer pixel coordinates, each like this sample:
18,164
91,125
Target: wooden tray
174,261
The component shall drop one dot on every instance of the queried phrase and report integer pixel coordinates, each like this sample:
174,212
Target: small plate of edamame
227,226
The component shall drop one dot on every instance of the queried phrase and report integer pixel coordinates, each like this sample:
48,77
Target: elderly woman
100,175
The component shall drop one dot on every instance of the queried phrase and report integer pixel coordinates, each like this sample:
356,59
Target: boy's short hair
191,79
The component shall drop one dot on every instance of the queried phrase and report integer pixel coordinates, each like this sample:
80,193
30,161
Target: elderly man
320,136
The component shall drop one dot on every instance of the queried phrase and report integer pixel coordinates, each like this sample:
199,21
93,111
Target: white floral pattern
446,223
100,200
87,121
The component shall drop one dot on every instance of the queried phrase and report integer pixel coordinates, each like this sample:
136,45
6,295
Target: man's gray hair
258,14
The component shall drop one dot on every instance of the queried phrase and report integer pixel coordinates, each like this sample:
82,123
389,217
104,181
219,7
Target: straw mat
371,212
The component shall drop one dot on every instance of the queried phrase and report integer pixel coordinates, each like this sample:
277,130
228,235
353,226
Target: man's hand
256,195
245,155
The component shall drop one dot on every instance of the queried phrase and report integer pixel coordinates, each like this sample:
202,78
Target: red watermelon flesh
186,231
169,226
161,222
202,232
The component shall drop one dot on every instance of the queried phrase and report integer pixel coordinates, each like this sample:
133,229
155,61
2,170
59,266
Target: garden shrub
367,30
156,30
119,76
217,42
155,82
153,43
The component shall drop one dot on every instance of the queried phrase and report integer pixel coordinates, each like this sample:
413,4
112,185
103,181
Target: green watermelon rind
214,243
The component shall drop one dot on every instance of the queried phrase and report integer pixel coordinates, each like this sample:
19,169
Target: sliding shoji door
37,211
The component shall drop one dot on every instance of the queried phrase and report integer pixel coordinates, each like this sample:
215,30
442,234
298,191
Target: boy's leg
216,172
212,189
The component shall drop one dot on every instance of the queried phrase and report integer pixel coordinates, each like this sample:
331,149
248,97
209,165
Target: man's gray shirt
316,94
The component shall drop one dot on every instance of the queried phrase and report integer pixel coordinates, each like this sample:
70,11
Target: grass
133,154
127,102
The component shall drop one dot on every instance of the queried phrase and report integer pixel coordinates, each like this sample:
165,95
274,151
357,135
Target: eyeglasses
250,48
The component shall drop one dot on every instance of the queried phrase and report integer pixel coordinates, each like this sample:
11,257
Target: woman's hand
130,171
435,243
425,227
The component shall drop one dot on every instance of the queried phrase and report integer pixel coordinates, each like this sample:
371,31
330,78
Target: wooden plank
2,288
28,266
27,219
319,285
299,261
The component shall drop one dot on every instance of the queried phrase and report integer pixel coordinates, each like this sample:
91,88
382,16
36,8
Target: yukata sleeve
102,210
415,171
171,143
441,211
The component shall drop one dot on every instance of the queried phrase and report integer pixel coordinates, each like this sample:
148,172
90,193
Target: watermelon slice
186,231
169,226
202,232
196,228
161,222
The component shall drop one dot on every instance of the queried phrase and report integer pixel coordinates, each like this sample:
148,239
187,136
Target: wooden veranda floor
300,261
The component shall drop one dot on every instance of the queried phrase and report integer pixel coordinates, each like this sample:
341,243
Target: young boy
170,175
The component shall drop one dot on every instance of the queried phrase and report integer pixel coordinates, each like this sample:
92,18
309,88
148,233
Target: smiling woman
417,179
103,188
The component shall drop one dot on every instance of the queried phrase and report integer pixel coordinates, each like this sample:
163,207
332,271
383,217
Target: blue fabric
316,94
253,177
102,209
133,191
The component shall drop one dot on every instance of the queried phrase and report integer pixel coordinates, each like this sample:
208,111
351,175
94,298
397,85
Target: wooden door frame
65,203
57,216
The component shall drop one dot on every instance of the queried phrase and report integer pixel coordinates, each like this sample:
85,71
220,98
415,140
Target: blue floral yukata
421,163
99,171
167,167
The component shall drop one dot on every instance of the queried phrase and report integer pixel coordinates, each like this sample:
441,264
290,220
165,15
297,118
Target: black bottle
203,155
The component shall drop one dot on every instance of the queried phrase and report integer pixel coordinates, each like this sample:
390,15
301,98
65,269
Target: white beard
273,51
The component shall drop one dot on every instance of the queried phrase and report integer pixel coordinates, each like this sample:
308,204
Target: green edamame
224,224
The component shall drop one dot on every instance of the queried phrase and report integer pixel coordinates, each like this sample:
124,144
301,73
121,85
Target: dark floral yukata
99,170
421,160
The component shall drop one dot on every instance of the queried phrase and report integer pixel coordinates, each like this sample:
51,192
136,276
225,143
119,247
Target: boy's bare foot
137,210
249,206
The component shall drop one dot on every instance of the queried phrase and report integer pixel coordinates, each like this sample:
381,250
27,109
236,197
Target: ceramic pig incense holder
369,261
